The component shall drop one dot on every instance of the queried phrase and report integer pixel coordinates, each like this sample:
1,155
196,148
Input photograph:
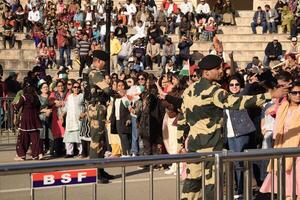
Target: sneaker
133,155
169,172
125,156
238,196
107,154
69,67
143,167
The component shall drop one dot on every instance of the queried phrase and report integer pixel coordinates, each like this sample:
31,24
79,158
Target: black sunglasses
76,87
232,84
295,93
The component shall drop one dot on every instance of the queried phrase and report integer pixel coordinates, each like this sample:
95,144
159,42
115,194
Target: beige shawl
291,138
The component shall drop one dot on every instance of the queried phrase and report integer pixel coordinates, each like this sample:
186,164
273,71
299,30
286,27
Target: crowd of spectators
141,115
80,26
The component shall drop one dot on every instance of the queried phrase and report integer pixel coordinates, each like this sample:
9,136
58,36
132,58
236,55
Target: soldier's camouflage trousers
192,186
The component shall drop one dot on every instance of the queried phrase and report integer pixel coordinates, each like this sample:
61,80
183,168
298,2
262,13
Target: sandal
17,158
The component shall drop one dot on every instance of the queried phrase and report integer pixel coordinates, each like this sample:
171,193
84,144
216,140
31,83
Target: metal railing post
123,183
281,187
95,191
229,180
151,182
178,181
203,179
1,115
219,179
64,193
31,189
272,179
294,178
248,180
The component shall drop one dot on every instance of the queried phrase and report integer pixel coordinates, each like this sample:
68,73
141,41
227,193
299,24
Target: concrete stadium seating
235,38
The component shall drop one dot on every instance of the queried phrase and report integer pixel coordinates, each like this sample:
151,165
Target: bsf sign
70,177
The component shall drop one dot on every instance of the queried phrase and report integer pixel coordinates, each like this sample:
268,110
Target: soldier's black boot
104,174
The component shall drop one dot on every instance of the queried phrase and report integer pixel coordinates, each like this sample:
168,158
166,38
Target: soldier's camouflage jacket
202,107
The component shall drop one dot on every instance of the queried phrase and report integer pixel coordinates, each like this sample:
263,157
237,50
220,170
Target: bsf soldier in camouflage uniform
96,91
202,107
96,114
96,77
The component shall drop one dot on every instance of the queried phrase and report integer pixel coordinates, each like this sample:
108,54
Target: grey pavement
17,187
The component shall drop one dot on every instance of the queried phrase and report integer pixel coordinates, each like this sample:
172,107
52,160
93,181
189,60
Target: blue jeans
164,60
135,138
121,60
266,61
50,41
263,24
272,27
239,144
62,51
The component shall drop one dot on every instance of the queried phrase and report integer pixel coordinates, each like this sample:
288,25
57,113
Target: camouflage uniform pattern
97,117
202,107
95,76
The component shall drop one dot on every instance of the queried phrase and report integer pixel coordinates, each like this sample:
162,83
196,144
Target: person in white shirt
130,11
140,31
203,9
186,7
34,15
100,7
102,31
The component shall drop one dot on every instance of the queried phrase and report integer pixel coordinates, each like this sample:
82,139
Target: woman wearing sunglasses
238,128
287,134
73,109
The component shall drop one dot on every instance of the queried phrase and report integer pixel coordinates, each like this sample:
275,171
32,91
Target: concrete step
245,13
241,56
29,44
251,37
242,29
243,21
238,46
30,54
244,46
262,3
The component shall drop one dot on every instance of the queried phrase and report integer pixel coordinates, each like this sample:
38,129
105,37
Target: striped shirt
83,48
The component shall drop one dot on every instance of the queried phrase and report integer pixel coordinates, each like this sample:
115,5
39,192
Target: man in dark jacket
121,30
259,19
273,51
184,49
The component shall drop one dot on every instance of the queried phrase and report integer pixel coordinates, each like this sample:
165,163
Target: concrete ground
17,187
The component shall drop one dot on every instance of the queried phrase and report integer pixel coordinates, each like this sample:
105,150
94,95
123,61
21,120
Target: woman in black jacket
121,118
238,128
